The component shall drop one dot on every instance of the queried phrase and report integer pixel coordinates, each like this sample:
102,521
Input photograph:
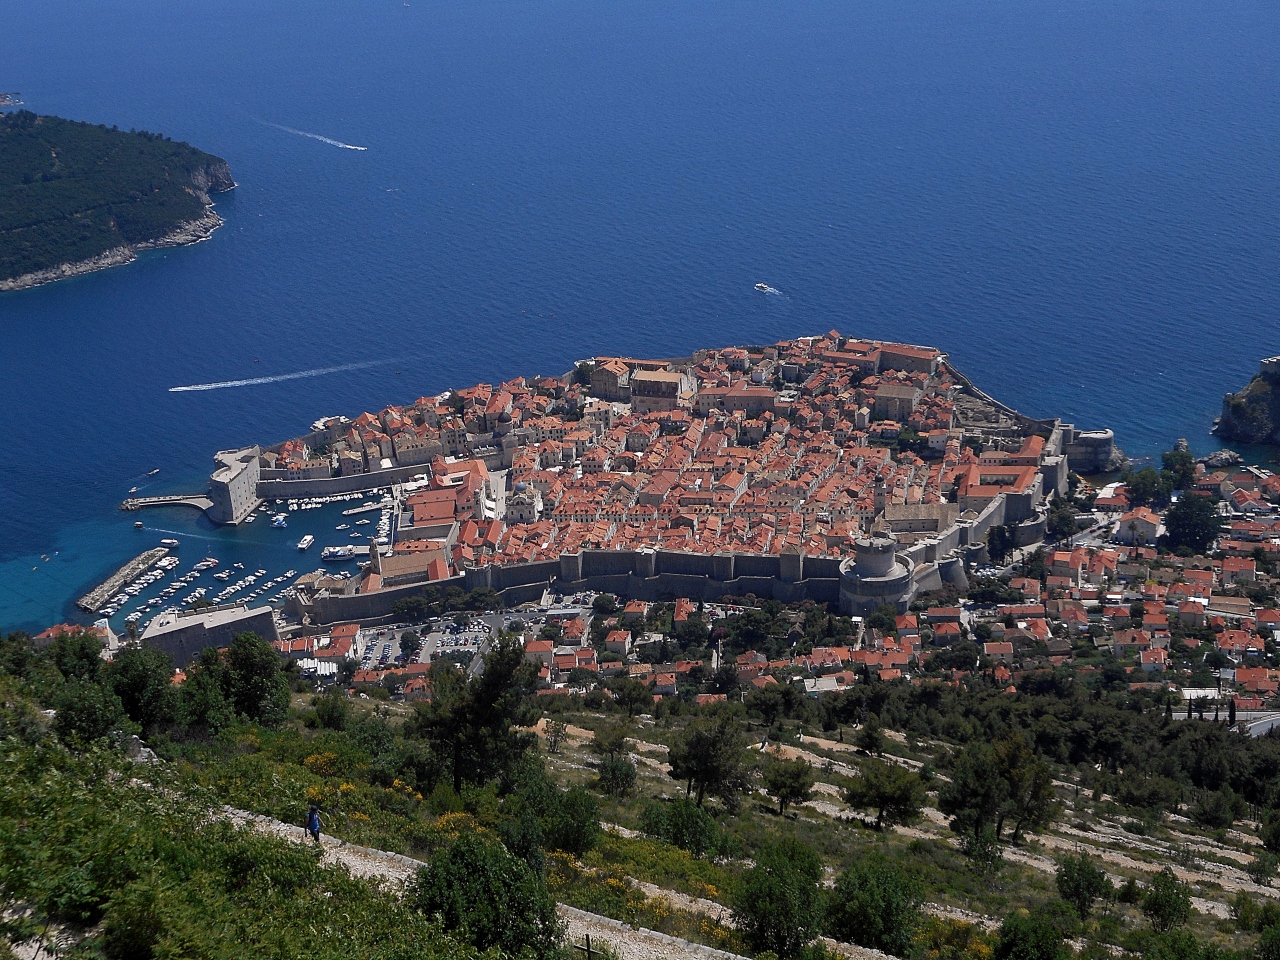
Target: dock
366,508
94,600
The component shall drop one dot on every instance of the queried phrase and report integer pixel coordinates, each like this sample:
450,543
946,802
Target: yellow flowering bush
456,824
318,794
941,938
322,764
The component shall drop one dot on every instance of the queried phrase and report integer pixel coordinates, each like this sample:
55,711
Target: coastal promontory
77,197
1253,414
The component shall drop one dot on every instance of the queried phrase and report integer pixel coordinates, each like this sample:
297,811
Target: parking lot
381,648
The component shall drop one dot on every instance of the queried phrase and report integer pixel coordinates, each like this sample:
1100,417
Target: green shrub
683,824
617,776
147,872
479,891
1080,883
874,904
1166,902
776,905
1024,937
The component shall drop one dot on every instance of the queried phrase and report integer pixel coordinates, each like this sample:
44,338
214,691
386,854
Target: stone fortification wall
690,564
928,577
513,576
603,563
639,574
269,489
995,514
747,565
366,606
186,642
951,570
1032,530
1088,451
653,575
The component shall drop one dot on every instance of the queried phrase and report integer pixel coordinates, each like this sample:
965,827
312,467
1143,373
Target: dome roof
521,487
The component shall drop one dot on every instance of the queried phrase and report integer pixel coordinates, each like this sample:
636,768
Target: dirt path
393,870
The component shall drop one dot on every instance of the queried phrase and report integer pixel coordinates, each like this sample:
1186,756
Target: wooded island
76,197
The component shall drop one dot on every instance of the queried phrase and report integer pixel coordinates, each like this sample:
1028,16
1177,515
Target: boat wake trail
255,381
313,136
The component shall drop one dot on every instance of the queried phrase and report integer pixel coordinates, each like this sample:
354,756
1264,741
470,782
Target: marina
244,563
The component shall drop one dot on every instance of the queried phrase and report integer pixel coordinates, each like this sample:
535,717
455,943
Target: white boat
169,542
343,526
306,542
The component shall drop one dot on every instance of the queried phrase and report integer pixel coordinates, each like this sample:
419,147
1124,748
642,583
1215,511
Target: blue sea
1077,199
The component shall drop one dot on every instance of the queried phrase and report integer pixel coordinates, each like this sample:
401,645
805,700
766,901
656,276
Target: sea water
1078,200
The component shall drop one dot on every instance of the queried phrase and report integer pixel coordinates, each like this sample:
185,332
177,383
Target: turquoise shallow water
1076,199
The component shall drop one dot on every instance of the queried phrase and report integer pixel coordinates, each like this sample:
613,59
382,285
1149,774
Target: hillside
76,197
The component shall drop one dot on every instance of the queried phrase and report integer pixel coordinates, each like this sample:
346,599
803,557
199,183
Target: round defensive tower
876,575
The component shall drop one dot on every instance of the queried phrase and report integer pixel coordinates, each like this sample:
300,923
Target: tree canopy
70,191
471,721
1193,523
896,795
708,758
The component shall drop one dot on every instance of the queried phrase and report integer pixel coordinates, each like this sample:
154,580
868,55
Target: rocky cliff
1253,414
212,177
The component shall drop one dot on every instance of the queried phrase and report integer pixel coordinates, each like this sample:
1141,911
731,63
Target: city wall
640,574
272,487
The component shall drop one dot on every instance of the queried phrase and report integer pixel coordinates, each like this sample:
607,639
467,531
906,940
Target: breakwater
92,601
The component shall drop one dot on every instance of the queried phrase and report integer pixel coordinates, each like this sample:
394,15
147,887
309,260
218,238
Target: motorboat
306,542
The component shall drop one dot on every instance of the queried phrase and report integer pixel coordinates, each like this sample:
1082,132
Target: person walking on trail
313,823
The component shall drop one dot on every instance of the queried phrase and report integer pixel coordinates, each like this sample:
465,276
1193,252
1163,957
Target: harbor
95,599
252,561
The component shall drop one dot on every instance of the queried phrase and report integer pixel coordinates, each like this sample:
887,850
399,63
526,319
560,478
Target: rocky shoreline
192,231
211,178
1253,414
